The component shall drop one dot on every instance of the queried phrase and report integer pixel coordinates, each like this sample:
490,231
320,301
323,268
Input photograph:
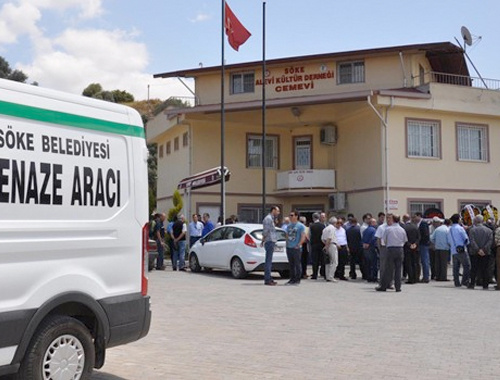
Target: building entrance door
308,210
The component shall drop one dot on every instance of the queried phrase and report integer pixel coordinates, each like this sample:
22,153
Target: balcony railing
457,80
306,179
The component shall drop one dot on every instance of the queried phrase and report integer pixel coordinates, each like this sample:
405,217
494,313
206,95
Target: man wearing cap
440,240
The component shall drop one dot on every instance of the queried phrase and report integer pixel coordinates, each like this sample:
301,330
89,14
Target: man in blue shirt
208,225
295,237
458,241
440,240
370,251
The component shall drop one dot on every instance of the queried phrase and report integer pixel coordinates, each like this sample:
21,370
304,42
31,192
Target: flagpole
263,109
222,120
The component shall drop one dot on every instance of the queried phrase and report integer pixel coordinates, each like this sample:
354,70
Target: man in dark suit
423,228
315,230
411,249
355,248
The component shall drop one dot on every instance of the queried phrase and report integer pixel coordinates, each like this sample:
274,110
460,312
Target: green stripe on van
68,119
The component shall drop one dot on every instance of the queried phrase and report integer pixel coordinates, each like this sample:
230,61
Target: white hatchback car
237,247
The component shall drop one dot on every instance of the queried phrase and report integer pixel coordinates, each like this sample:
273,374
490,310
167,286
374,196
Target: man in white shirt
382,255
329,238
195,230
343,253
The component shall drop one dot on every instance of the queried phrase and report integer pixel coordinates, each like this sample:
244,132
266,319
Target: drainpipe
384,142
187,193
190,165
405,81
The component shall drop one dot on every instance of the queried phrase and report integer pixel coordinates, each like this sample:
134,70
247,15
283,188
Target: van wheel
61,348
237,268
194,265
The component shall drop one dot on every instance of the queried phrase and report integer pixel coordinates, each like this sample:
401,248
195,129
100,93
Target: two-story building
401,128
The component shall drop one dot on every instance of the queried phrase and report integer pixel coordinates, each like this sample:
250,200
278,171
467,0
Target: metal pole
222,119
472,63
263,109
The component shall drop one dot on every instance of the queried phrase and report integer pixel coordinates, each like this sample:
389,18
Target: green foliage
170,102
121,96
178,204
152,200
105,95
6,72
95,90
152,175
92,89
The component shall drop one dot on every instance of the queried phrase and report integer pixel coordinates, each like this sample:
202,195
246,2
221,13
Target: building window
423,138
185,139
351,72
423,205
242,83
477,203
169,147
472,142
176,143
302,152
161,151
250,214
254,151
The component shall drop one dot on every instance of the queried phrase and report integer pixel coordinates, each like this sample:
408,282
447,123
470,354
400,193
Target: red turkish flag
237,34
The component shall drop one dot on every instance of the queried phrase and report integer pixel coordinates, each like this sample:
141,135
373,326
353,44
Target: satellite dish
466,35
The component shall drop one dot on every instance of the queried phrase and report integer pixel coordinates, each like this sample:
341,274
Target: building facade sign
296,78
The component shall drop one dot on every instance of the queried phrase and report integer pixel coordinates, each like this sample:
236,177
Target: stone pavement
210,326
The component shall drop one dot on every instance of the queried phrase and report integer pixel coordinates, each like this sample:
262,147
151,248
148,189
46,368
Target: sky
68,44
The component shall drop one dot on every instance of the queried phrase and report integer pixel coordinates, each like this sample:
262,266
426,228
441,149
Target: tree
121,96
6,72
92,89
95,90
170,102
178,204
152,175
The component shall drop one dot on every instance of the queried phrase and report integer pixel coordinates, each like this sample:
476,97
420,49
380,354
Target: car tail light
249,241
145,259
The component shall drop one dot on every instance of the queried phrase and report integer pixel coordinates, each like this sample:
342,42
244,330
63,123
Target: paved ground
209,326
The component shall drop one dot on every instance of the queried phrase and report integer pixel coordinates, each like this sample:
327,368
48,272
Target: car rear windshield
257,234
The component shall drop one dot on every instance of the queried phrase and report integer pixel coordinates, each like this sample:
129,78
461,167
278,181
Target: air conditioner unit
328,135
337,201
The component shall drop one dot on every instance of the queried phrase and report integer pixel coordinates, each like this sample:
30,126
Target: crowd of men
387,249
175,234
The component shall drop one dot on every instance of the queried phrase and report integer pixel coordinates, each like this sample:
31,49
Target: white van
73,235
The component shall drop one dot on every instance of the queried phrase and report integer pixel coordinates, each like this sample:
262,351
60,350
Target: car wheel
61,348
194,265
284,273
237,268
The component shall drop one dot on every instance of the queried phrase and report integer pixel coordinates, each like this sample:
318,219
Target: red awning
203,179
